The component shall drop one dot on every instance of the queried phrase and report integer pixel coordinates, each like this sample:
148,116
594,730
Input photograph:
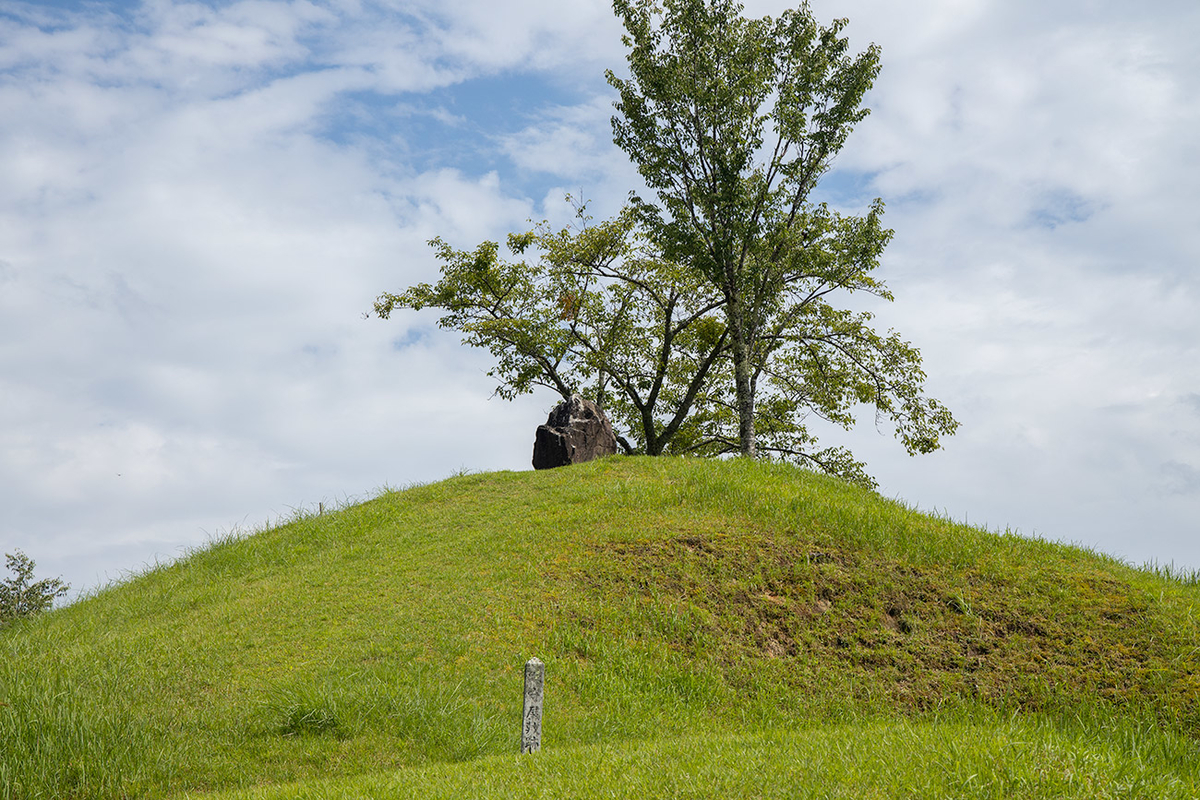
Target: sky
200,200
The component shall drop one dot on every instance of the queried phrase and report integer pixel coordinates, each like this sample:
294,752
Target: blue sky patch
846,187
412,337
1060,207
459,127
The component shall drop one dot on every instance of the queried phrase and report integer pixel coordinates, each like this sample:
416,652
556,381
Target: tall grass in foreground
1033,758
61,742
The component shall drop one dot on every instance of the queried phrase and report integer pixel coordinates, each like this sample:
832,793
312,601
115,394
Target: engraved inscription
531,716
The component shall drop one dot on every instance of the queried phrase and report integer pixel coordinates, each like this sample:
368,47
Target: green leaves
592,309
732,122
703,320
20,595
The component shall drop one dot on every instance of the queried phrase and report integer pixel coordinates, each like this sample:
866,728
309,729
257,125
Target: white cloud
539,34
567,142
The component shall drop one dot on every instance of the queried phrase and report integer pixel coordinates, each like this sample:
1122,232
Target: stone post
531,712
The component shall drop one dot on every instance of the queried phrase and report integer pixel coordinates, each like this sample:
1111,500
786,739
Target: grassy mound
670,599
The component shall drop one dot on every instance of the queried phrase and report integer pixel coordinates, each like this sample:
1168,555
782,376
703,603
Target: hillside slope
666,596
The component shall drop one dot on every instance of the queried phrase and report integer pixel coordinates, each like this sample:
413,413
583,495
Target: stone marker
531,713
576,431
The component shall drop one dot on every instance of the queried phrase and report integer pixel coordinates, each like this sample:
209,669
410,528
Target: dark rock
576,431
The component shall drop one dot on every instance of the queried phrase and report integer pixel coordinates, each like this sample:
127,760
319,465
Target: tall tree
732,122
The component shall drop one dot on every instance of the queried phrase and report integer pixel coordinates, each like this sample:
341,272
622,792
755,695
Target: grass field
996,758
709,628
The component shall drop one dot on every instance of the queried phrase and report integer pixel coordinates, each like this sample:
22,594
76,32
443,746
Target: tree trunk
743,385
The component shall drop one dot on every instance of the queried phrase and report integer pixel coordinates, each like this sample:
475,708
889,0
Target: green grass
996,758
695,617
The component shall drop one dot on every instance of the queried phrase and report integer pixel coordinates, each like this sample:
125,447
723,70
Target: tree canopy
732,122
589,309
704,319
20,595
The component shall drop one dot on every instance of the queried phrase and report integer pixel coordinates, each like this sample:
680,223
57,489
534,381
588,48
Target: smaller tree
592,309
20,595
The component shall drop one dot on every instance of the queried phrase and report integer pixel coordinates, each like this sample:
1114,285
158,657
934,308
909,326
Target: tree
704,322
732,122
590,309
20,596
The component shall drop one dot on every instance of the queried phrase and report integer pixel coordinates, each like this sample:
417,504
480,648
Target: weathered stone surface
531,711
576,431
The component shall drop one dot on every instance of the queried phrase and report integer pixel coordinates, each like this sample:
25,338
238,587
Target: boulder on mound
576,431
